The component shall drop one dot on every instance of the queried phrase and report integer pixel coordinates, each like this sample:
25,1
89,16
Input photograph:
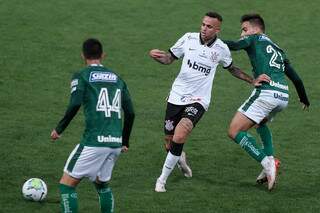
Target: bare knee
69,181
182,130
232,132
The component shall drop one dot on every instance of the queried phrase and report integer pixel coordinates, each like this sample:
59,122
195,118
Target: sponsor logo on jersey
109,138
199,67
74,83
102,77
278,85
189,99
280,97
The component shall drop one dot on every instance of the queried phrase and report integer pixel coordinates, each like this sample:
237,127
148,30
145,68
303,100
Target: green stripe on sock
74,158
251,100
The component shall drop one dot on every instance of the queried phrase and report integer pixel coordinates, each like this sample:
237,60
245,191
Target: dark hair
92,49
254,19
214,15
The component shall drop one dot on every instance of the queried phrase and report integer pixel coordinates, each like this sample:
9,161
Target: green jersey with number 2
266,57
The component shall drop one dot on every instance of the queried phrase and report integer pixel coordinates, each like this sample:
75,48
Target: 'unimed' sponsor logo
109,138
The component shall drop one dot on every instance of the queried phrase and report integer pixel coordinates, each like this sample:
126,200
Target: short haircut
254,19
214,15
92,49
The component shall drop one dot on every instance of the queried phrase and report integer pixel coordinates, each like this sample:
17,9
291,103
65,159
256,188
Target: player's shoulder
191,36
220,45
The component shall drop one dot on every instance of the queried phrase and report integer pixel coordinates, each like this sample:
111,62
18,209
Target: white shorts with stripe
92,162
264,104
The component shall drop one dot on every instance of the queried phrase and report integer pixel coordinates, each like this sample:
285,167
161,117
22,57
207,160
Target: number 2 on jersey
103,103
274,57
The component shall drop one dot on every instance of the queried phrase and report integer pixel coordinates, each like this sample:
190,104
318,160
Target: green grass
40,49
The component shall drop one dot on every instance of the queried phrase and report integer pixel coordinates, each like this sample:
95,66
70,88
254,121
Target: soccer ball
34,189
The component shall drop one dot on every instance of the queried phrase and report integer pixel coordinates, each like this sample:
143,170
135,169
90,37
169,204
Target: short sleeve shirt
199,63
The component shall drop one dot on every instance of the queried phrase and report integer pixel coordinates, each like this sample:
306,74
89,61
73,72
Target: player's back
102,106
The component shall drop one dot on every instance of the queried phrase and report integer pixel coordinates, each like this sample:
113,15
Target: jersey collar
208,44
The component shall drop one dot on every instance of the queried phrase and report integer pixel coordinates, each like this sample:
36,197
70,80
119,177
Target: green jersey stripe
251,100
75,157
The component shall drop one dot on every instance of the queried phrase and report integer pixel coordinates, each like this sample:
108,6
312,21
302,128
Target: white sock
168,166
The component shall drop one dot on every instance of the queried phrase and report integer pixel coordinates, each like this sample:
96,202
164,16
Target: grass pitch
40,49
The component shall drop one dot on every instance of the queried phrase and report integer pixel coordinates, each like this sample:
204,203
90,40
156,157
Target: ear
103,56
82,56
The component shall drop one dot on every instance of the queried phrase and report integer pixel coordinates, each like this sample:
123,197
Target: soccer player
103,95
268,58
190,94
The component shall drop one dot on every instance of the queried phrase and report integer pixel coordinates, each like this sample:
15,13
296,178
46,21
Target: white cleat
160,186
262,177
183,166
271,173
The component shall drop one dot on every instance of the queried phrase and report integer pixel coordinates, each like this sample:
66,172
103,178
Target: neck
93,61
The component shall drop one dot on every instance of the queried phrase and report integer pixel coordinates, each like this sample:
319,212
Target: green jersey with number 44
103,96
266,57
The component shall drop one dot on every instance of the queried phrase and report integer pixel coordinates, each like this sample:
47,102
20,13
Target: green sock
69,199
105,197
266,138
248,143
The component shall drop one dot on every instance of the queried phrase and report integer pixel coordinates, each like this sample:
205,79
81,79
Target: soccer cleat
183,166
160,186
271,173
262,177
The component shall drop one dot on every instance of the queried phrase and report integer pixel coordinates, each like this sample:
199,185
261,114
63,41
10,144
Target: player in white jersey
191,91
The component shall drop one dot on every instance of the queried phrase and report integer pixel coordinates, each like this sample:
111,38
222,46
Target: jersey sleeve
129,115
242,43
177,50
77,91
226,59
297,82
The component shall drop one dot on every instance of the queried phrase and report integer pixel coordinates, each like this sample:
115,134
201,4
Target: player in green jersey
103,95
266,100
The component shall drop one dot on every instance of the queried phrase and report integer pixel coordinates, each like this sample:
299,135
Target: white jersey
195,79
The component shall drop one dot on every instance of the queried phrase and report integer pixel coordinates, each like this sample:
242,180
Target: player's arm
162,56
129,116
242,43
296,80
238,73
77,88
74,105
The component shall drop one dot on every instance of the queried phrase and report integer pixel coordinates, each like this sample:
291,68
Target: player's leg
182,130
68,183
106,199
69,198
191,115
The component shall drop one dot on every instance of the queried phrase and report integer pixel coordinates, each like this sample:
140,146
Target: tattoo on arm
238,73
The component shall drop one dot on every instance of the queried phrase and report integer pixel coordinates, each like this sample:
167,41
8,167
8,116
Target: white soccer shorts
92,162
264,104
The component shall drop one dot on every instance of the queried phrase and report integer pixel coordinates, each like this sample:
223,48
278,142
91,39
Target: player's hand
54,135
155,53
124,149
261,78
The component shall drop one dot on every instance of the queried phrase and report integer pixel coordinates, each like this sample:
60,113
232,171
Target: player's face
248,29
209,28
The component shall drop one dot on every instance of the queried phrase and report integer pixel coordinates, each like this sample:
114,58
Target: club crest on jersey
102,77
214,56
199,67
